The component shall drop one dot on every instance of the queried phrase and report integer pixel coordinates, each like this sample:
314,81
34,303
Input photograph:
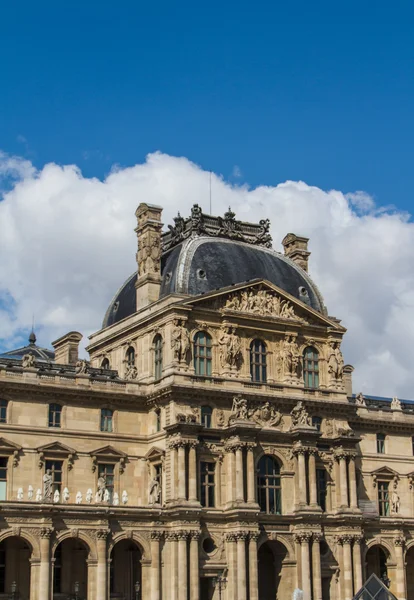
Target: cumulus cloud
67,243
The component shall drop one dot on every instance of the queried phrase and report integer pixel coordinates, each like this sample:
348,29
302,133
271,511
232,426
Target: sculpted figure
30,493
395,502
290,356
131,372
154,491
396,404
239,409
99,496
124,497
28,361
47,486
230,347
56,497
180,340
267,416
300,416
360,400
79,498
20,494
81,367
335,361
89,495
220,418
116,499
106,496
39,495
65,495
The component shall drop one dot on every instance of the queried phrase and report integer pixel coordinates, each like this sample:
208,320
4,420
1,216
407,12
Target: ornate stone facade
178,466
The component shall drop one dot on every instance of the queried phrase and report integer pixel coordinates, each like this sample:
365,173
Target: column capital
241,535
317,536
182,535
254,535
194,534
230,537
344,539
303,537
171,536
192,443
399,541
358,539
102,534
156,535
296,450
46,532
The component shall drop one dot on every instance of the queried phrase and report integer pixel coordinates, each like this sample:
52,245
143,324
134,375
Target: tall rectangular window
107,472
383,498
311,367
203,354
3,478
380,443
55,413
106,419
158,357
56,470
321,488
207,475
3,411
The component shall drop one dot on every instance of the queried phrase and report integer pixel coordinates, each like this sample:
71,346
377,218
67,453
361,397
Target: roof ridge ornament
224,227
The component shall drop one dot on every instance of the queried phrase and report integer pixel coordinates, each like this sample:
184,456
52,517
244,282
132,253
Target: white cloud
67,242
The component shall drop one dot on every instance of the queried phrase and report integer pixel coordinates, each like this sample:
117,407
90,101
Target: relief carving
230,348
262,303
335,364
300,416
180,341
28,361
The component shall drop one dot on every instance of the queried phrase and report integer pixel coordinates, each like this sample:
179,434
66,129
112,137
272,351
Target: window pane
202,354
3,411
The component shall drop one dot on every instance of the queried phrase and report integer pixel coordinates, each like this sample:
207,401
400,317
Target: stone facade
209,449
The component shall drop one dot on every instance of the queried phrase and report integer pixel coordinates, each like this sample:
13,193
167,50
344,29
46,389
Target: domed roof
40,354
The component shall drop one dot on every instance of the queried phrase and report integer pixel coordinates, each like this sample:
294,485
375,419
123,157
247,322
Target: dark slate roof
202,264
40,354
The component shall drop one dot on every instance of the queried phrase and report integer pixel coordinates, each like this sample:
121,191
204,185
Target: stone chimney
67,348
296,248
347,379
149,254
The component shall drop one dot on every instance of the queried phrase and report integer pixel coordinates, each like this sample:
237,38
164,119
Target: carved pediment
154,454
8,447
56,448
385,471
108,452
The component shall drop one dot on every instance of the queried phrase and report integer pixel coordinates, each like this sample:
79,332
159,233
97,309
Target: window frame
258,361
321,490
105,419
317,422
203,354
4,405
383,498
103,466
53,421
207,483
158,344
4,467
310,364
380,439
130,356
105,364
264,489
50,465
206,411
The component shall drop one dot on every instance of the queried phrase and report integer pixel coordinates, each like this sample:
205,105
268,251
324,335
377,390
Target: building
211,448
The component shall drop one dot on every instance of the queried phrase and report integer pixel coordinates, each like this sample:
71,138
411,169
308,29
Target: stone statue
239,410
396,404
180,340
39,495
99,496
220,418
290,356
28,361
395,502
20,494
106,496
89,496
360,400
79,498
65,495
47,486
131,372
82,367
30,493
297,594
154,491
56,497
267,416
300,416
115,499
230,347
124,497
335,362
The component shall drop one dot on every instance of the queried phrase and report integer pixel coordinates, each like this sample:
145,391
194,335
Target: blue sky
317,92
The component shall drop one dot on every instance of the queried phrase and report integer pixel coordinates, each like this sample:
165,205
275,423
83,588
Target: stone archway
70,569
376,561
125,570
409,569
15,554
274,579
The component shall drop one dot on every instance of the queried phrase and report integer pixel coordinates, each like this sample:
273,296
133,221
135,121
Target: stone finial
149,254
296,248
67,348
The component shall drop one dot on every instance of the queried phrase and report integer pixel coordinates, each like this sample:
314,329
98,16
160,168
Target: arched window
3,411
55,413
130,356
311,367
106,419
202,354
269,490
206,415
105,364
380,443
158,357
258,361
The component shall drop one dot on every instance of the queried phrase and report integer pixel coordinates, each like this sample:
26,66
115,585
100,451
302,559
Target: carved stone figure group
300,416
264,415
261,302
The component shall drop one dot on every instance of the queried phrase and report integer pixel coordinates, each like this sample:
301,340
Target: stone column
253,575
343,480
181,472
44,575
232,565
401,592
313,494
353,496
241,566
219,463
305,556
316,567
173,580
101,585
251,475
346,541
155,565
239,474
194,566
173,471
301,476
230,475
182,566
358,580
192,471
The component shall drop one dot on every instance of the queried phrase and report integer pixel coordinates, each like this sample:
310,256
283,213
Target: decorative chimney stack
347,379
67,348
149,254
296,248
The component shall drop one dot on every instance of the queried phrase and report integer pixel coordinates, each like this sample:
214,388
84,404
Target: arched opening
409,561
274,579
70,569
125,570
376,562
15,554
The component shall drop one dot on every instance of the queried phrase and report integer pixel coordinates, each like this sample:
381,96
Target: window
206,414
57,571
106,419
383,498
3,411
158,357
3,478
258,361
105,364
380,443
412,445
2,569
311,367
317,422
130,357
268,486
55,413
158,419
107,472
202,354
207,470
56,468
321,487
